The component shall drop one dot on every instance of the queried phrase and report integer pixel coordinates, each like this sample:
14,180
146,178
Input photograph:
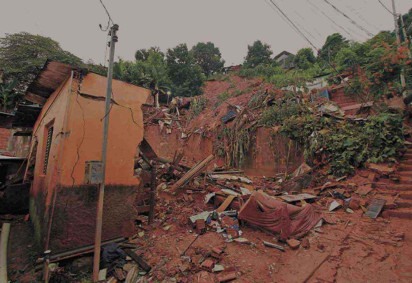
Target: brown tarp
276,216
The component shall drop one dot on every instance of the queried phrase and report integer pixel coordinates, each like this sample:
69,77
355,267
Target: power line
362,18
107,12
329,18
384,6
293,24
349,18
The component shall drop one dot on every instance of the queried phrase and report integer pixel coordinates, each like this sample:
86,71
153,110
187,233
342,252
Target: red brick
293,244
208,264
226,277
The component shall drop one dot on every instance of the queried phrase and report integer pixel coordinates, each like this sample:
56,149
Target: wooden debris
139,260
197,169
299,197
132,275
227,177
5,232
118,273
226,203
272,245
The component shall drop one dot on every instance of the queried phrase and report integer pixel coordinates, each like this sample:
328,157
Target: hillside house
285,59
67,137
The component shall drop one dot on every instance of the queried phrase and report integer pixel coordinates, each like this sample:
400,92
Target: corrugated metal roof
47,81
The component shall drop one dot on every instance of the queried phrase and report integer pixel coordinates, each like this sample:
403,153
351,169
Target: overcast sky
230,24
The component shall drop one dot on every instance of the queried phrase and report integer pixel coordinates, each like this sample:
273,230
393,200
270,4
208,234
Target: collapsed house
66,141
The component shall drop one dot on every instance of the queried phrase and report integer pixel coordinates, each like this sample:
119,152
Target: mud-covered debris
296,198
272,245
375,208
293,243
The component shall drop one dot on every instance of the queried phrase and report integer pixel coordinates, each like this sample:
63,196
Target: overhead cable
316,9
293,24
349,18
386,8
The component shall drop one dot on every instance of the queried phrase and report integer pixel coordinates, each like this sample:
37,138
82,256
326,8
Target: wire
386,8
349,18
293,24
107,12
362,18
316,8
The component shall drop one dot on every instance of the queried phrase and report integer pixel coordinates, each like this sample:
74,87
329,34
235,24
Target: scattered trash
334,205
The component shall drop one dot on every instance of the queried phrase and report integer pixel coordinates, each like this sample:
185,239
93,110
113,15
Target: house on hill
285,59
67,142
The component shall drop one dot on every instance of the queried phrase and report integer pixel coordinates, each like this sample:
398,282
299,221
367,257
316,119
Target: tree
258,53
208,57
333,44
186,76
151,73
143,54
8,97
305,58
407,19
22,55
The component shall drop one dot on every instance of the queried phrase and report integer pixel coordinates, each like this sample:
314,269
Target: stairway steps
404,204
403,213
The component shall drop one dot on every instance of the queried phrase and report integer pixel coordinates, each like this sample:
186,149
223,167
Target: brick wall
5,135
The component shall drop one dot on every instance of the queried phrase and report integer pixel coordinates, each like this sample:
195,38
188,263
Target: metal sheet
375,208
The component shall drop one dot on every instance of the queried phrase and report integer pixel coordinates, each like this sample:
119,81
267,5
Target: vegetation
258,54
186,76
208,57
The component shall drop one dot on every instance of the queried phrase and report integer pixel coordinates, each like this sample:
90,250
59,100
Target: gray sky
230,24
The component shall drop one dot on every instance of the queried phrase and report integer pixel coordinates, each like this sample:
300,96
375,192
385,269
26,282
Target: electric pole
398,40
100,201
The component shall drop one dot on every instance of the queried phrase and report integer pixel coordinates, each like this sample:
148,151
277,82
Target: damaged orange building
66,137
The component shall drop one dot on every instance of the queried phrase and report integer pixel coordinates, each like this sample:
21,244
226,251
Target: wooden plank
140,261
226,203
197,169
5,232
299,197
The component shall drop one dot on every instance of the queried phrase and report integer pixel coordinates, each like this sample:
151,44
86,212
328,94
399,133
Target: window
49,132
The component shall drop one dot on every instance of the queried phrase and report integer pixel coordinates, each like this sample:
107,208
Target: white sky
230,24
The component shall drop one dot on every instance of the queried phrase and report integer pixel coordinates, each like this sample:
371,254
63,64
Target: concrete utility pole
100,201
398,40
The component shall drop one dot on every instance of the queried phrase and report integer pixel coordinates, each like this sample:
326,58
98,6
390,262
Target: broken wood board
299,197
226,203
199,167
139,260
227,177
375,208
